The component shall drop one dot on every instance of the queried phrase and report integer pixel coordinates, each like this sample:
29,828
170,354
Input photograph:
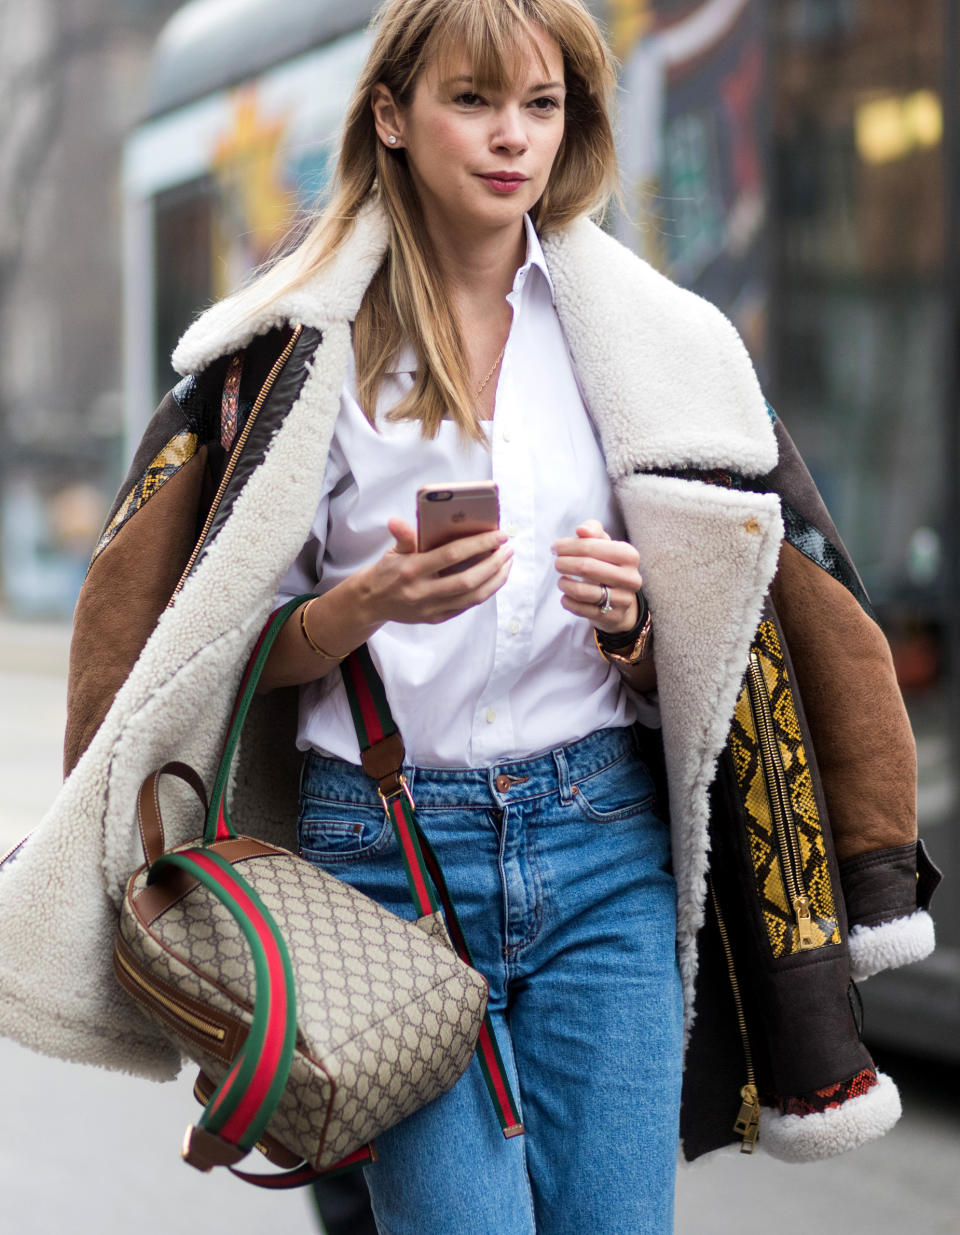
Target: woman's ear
386,115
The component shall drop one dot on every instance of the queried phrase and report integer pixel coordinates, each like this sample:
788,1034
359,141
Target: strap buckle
386,797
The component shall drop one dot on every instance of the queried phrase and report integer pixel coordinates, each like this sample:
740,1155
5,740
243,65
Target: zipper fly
171,1006
235,455
791,862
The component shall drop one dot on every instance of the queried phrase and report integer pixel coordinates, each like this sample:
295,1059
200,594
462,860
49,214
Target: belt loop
563,775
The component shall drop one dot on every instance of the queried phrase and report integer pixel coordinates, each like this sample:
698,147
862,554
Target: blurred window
858,187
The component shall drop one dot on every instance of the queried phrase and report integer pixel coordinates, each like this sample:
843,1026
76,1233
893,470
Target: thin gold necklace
483,384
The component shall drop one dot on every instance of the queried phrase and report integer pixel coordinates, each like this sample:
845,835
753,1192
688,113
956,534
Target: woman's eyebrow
547,85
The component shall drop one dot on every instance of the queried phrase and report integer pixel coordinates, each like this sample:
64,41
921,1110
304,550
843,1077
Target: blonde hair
407,298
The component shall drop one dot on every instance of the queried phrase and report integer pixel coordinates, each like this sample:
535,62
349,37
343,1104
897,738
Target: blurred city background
795,161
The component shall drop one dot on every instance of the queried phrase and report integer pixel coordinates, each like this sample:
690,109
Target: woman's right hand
406,586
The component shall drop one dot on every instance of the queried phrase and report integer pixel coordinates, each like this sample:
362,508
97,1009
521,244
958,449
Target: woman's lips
504,184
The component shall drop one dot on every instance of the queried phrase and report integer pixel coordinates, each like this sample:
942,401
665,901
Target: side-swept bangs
408,298
493,36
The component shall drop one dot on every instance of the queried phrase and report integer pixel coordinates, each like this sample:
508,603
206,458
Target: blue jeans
559,867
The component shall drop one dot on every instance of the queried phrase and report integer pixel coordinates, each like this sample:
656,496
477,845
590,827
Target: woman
543,817
447,319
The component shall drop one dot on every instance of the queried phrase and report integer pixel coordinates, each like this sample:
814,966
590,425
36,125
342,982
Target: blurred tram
735,185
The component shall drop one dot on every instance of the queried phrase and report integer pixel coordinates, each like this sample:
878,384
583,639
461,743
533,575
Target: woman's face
479,161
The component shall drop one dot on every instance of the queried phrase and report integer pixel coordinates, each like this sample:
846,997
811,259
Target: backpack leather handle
148,806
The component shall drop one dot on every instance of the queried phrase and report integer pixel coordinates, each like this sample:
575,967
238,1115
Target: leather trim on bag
157,898
234,1030
272,1149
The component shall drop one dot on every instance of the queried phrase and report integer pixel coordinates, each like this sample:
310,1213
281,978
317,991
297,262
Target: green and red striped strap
375,725
246,1098
242,1105
218,825
298,1176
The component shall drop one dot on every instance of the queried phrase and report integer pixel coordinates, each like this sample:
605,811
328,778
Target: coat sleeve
142,551
863,744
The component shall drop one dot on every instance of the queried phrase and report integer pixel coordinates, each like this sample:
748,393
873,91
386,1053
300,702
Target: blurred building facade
71,87
795,161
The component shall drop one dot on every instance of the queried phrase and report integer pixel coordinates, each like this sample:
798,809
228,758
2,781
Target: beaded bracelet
313,643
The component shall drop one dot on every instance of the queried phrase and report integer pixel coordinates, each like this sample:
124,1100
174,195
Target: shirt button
514,627
511,529
491,716
505,436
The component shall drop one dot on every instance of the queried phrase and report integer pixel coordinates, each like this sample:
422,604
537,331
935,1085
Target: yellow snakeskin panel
765,845
179,450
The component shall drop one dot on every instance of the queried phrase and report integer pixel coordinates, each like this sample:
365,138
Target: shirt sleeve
306,570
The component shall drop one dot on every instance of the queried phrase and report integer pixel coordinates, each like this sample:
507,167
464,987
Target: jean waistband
512,779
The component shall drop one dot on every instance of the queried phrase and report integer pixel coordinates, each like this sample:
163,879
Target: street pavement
87,1152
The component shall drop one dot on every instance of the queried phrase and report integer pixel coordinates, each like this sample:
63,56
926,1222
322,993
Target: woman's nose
509,133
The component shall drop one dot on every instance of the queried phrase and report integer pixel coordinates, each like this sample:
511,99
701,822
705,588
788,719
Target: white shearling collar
665,375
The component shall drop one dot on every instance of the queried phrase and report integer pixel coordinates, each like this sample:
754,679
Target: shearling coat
786,748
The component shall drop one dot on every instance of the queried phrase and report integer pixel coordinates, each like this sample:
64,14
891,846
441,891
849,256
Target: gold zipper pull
801,907
747,1123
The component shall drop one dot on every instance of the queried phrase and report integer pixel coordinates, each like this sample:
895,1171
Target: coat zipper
791,862
171,1006
747,1123
235,455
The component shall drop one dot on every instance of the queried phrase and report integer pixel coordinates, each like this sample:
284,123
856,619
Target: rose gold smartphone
450,512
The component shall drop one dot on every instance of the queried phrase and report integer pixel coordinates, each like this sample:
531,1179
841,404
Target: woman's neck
480,269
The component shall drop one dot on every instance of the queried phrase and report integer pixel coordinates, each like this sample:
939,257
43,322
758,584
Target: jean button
503,783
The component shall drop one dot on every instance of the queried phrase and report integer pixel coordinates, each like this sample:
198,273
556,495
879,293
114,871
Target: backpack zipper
156,995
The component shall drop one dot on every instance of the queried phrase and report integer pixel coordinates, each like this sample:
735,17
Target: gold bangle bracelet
313,643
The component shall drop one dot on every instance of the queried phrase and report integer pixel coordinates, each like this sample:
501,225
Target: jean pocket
619,791
329,832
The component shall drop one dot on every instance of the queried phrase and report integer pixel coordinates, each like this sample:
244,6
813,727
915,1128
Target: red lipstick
504,182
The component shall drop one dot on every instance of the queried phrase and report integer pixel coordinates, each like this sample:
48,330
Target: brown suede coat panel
125,592
864,747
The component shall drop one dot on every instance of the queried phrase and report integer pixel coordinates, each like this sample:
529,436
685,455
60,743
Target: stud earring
392,140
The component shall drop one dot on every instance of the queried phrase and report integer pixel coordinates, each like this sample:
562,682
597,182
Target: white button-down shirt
517,675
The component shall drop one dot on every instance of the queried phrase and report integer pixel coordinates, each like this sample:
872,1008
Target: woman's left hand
590,561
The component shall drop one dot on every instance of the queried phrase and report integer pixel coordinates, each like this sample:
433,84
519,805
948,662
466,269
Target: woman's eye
468,99
545,104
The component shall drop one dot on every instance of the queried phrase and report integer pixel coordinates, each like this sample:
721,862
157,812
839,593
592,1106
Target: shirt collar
534,257
405,360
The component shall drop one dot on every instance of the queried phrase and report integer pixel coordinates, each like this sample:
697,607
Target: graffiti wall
691,144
